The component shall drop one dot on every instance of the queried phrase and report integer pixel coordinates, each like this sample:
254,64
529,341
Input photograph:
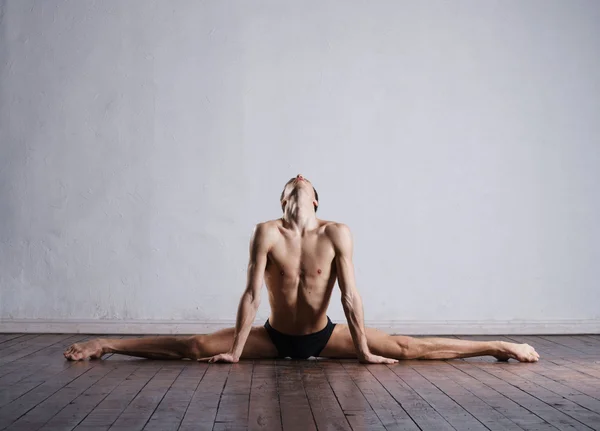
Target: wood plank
235,399
458,417
354,404
565,357
559,402
296,413
228,426
589,339
417,408
560,380
559,350
7,337
573,343
487,415
575,380
31,346
141,408
74,412
541,409
28,378
36,362
391,414
22,404
41,390
525,419
324,404
171,410
16,344
45,410
109,409
264,412
202,411
594,336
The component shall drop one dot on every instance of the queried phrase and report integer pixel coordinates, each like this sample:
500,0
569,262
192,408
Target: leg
258,345
403,347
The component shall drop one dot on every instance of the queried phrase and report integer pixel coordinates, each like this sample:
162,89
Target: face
298,184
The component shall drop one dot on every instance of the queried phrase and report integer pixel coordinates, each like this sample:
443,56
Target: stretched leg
403,347
258,345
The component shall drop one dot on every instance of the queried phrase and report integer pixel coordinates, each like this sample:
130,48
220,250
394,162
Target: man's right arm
250,299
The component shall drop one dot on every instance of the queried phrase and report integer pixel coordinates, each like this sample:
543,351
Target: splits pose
299,257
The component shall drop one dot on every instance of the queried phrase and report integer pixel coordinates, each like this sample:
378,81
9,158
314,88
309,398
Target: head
299,185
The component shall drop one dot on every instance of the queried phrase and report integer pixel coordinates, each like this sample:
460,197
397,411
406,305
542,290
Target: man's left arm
351,300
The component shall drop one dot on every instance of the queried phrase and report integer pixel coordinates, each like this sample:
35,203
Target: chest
304,257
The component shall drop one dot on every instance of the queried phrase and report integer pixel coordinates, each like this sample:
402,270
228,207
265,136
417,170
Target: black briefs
300,346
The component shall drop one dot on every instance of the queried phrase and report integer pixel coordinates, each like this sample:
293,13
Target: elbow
253,300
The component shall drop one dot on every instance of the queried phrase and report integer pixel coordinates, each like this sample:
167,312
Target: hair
314,190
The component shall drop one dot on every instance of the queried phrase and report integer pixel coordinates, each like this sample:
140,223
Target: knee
196,346
409,347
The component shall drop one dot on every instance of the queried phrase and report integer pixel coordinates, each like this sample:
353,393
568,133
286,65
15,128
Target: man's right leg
258,345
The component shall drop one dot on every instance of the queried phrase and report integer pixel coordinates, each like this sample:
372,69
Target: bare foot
92,349
520,352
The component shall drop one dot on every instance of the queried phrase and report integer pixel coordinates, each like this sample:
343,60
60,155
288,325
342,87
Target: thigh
340,345
258,345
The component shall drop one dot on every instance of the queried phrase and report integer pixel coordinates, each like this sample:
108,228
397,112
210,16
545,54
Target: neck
300,217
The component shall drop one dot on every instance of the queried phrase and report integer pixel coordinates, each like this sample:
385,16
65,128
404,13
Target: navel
281,273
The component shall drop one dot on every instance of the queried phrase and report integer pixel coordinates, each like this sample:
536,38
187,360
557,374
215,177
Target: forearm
245,317
353,309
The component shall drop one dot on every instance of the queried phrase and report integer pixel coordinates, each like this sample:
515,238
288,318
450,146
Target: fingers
213,359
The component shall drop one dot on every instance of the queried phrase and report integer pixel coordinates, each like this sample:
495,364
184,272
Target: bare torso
300,276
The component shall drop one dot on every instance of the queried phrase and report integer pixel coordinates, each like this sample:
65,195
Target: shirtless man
300,257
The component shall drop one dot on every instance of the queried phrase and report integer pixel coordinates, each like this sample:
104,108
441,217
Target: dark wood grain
391,414
448,408
171,410
48,408
37,363
13,344
264,412
421,412
296,413
39,389
324,404
141,408
80,407
108,410
202,410
545,411
22,403
435,372
7,337
524,418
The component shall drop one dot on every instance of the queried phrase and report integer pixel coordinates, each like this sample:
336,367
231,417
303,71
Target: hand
374,359
221,357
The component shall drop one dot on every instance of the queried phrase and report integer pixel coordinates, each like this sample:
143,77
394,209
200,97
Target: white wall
142,140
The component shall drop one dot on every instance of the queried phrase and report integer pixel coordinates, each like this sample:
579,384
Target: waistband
270,328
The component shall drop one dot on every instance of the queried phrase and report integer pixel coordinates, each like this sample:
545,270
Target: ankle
500,347
105,346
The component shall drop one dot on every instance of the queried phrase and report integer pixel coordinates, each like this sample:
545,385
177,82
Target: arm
250,299
351,301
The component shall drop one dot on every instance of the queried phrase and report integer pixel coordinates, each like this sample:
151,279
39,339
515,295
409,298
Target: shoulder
266,230
339,233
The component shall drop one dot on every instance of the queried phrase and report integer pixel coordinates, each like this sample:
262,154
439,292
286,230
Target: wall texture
141,141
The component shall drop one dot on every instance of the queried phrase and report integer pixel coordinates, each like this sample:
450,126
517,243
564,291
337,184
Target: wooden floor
40,390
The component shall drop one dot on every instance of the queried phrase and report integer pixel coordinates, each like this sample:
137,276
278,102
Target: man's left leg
340,345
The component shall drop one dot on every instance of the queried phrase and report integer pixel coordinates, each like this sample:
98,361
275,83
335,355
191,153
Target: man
300,257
